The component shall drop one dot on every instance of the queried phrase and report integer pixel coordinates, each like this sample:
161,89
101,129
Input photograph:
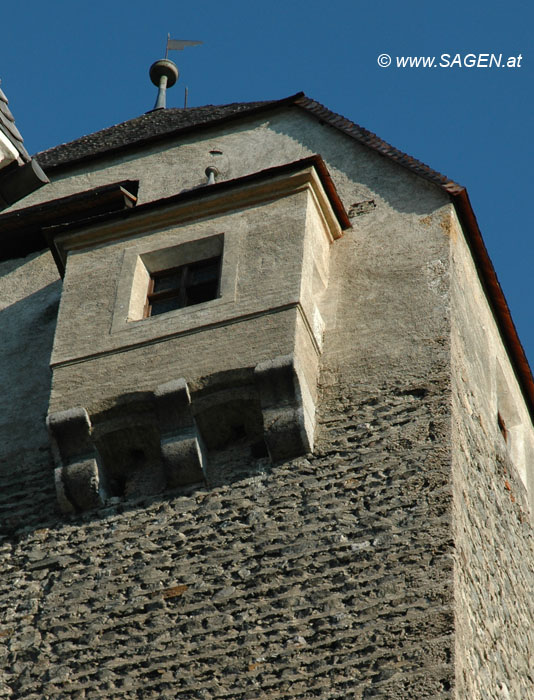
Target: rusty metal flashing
241,111
466,215
52,230
367,138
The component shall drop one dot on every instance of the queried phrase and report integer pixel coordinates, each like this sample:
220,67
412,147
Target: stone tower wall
328,576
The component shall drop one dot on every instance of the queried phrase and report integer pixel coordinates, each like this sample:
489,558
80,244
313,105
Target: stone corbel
287,408
181,444
77,475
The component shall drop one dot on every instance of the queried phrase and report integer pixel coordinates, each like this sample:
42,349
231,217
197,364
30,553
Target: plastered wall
494,569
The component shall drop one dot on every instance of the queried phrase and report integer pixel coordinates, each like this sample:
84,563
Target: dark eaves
21,230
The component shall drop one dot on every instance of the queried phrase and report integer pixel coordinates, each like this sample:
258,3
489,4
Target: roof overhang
208,200
8,152
21,231
18,181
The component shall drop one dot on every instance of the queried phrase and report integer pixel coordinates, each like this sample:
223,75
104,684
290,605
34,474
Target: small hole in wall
259,450
237,432
502,427
137,456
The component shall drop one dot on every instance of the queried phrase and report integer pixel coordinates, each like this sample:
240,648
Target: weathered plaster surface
494,570
275,260
29,296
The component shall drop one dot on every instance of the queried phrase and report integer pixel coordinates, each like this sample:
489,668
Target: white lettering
470,60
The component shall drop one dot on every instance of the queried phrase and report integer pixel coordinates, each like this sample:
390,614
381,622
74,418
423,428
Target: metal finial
164,73
211,173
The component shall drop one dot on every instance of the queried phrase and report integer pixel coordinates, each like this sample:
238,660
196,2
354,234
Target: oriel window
186,285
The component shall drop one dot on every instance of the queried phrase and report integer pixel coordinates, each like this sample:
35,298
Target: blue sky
71,68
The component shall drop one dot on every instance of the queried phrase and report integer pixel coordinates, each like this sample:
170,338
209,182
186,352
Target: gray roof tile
150,126
8,128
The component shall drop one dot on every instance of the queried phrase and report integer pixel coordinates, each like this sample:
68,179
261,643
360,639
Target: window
186,285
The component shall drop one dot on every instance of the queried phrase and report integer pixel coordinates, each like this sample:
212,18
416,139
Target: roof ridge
370,139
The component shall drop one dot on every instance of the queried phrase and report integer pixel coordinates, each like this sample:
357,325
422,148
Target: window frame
180,290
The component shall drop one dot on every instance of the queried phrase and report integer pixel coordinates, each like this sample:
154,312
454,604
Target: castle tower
268,428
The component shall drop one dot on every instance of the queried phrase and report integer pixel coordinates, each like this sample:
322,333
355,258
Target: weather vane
178,44
164,73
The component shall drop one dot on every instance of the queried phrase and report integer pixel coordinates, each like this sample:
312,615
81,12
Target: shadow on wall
27,494
26,337
28,499
27,333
